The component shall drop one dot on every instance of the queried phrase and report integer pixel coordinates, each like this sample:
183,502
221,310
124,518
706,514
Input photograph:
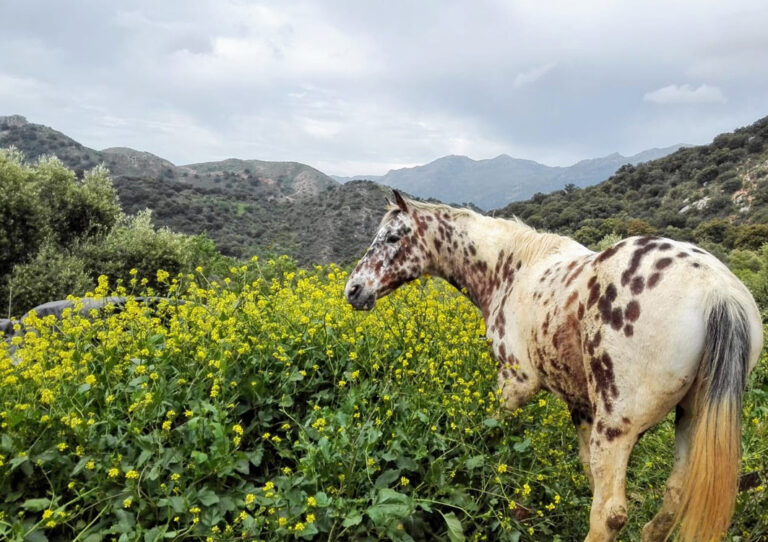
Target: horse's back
639,311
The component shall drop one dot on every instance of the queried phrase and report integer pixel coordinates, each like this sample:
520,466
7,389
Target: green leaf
242,466
36,505
455,529
475,461
386,478
491,422
125,521
80,465
207,497
387,495
256,456
200,457
143,457
309,532
322,499
178,504
352,518
522,446
390,505
153,535
406,463
18,460
35,536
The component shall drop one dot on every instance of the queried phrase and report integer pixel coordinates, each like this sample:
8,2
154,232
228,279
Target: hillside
494,182
711,193
334,225
714,193
254,177
245,206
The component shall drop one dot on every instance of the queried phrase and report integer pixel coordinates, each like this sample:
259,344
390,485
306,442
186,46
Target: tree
22,222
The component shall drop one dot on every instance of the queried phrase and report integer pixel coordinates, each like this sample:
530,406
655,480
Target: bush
52,274
23,228
134,244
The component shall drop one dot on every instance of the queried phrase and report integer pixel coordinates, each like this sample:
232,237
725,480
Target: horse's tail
710,483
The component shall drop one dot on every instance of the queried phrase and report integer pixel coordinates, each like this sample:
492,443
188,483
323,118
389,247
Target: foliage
59,233
334,225
264,406
752,268
51,274
692,194
134,243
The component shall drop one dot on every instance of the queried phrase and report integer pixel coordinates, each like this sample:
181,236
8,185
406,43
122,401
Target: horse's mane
530,244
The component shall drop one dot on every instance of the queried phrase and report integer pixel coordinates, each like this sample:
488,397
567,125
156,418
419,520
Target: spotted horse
622,336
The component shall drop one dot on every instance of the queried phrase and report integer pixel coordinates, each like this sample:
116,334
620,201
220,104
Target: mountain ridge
494,182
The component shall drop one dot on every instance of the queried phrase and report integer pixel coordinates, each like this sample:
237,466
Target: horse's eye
393,239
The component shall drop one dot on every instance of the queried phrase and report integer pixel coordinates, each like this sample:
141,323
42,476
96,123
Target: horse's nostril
354,290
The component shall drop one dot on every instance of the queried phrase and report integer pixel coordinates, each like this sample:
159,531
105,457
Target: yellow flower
404,481
131,475
311,501
113,473
249,498
502,468
237,429
127,502
90,379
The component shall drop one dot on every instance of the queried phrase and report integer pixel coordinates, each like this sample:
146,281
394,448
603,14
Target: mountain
245,206
716,193
245,177
495,182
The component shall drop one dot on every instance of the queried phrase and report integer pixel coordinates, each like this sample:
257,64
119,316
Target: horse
622,336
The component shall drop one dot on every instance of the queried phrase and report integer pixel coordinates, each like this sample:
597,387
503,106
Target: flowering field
261,406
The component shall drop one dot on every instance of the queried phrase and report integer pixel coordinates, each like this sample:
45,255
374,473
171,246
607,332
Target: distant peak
13,121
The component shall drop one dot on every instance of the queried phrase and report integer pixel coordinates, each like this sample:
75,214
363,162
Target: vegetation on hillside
265,407
334,225
715,193
59,233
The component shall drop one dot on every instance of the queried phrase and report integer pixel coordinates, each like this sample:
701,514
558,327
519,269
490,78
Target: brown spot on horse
632,312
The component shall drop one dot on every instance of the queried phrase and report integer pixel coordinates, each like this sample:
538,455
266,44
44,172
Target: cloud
684,94
340,84
531,76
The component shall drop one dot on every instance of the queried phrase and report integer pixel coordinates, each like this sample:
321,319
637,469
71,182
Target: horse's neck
481,255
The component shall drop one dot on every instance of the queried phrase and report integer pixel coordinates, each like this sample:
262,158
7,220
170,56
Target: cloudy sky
355,87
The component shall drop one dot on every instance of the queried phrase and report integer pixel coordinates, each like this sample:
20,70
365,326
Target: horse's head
394,258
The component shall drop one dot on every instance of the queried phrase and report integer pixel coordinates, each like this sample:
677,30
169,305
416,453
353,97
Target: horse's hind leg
608,461
659,528
584,430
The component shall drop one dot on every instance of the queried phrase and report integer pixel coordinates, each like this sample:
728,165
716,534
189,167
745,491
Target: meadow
260,406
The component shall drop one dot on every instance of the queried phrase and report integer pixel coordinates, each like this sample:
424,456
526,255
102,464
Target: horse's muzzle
359,298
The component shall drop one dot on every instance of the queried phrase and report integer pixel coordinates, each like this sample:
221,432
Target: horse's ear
400,201
389,202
